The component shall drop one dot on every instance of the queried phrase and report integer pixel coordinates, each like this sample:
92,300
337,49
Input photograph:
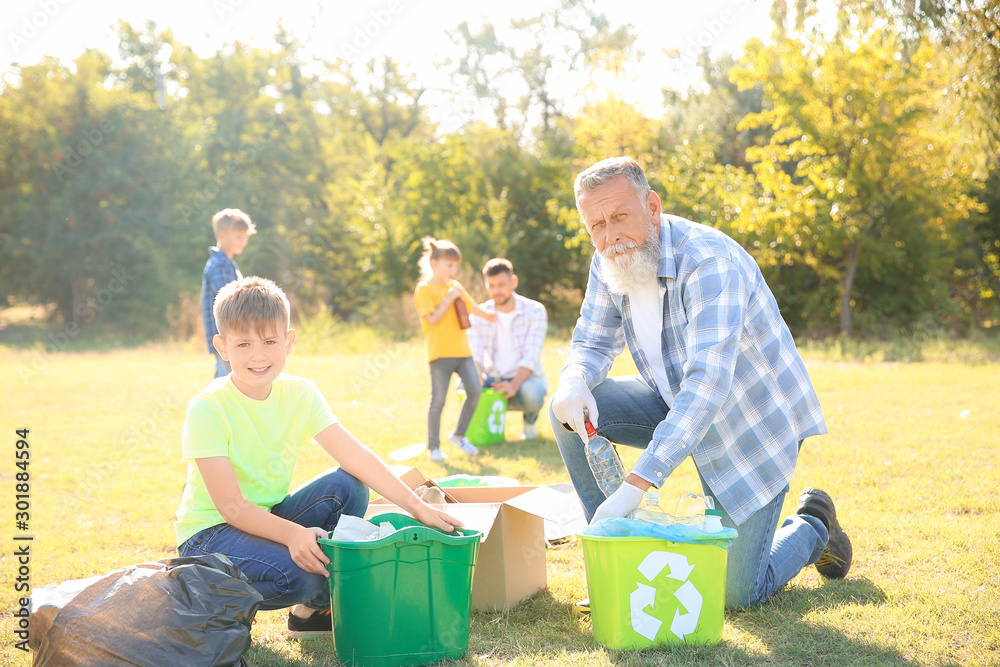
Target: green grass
911,460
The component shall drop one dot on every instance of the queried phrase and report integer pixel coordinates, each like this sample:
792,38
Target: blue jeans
761,560
529,398
268,565
441,370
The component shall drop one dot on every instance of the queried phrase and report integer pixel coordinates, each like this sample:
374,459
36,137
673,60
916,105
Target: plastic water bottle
651,511
691,508
604,462
713,521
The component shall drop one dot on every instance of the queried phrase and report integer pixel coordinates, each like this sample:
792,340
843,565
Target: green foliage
851,167
859,162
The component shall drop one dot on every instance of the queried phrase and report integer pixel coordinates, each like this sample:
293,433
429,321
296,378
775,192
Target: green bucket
650,592
488,421
404,599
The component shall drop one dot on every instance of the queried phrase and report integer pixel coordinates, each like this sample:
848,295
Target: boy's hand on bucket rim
306,552
435,518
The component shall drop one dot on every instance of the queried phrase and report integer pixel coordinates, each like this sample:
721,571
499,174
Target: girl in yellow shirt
448,348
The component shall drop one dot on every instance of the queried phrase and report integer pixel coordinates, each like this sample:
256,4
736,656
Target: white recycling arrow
644,596
643,623
685,624
496,418
654,563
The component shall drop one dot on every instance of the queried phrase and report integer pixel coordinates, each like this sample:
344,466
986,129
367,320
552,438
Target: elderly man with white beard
719,380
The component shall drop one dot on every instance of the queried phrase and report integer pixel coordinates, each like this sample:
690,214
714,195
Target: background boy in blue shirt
232,229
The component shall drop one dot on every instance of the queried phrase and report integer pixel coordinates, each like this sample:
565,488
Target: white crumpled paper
354,529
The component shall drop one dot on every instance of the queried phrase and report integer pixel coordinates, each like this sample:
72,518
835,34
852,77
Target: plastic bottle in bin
651,511
713,521
604,461
691,508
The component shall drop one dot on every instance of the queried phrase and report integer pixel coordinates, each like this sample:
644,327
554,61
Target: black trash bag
177,612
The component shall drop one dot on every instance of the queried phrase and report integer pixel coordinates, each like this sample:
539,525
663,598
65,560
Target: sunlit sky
412,32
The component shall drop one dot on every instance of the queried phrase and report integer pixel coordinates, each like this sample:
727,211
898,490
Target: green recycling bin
489,419
649,592
404,599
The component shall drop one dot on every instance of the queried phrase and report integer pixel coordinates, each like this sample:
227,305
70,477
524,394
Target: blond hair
436,249
251,303
232,218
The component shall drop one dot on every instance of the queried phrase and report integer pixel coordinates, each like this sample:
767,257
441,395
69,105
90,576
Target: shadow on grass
314,654
790,639
538,627
544,628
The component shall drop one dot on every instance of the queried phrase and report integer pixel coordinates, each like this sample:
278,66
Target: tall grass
911,460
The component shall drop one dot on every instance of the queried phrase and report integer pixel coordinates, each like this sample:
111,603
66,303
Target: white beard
622,274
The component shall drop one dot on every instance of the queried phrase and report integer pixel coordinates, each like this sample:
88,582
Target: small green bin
488,421
404,599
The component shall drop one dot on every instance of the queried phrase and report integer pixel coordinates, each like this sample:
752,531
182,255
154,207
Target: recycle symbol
644,596
497,413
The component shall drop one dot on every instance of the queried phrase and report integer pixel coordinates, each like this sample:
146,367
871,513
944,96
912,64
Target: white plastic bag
354,529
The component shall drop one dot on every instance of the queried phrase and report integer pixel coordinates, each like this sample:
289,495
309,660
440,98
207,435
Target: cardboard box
515,521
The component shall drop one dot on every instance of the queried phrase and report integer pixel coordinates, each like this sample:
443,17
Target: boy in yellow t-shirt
448,348
242,436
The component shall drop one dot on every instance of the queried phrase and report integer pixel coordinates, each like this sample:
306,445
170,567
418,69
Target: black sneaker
582,608
836,558
317,626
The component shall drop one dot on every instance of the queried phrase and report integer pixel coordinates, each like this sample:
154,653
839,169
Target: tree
535,58
79,191
857,158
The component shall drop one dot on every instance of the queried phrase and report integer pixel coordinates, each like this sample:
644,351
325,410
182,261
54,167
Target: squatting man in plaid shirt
508,352
719,380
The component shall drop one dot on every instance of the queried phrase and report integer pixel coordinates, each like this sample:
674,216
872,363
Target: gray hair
601,172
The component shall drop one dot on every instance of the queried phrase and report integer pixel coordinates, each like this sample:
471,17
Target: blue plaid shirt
528,329
219,270
742,397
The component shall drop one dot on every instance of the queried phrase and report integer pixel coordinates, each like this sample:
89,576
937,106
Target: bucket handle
413,535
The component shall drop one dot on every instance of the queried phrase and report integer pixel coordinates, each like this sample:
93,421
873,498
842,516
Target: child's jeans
441,370
268,565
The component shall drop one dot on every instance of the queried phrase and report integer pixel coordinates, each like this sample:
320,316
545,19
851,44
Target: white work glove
620,503
571,400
